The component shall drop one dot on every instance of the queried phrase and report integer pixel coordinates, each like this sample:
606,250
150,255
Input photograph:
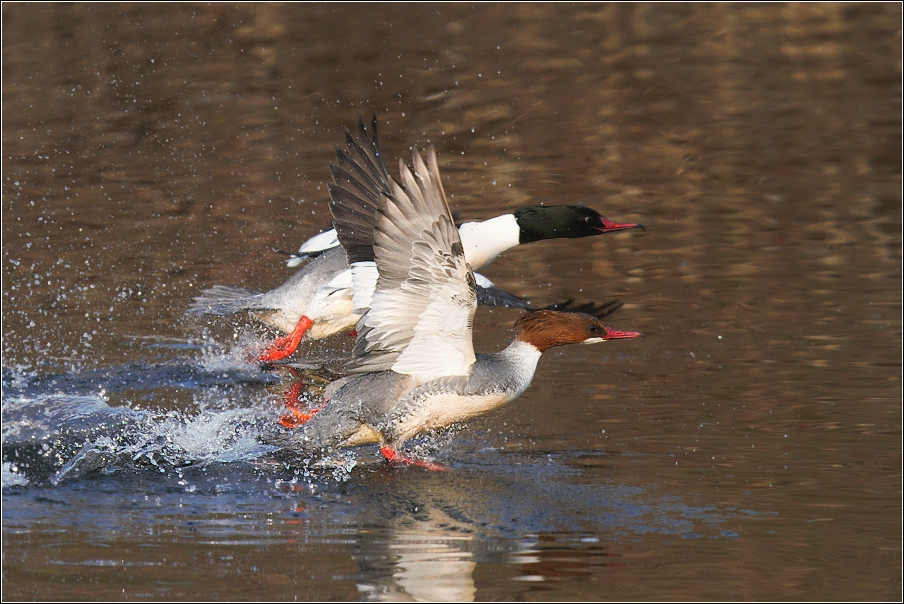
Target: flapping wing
489,294
600,310
421,315
360,180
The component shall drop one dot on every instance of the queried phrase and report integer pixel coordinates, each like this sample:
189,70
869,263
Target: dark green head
551,222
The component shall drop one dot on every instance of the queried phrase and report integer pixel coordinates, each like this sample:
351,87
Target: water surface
748,448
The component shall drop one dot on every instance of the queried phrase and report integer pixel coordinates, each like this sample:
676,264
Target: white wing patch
318,243
362,281
439,346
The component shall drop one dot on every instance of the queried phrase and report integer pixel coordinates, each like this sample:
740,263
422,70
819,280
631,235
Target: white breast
444,409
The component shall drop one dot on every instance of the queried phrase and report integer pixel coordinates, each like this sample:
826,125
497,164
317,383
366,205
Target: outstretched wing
360,180
421,315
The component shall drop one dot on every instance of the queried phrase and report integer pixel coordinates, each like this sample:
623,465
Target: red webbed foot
393,456
284,347
296,415
293,393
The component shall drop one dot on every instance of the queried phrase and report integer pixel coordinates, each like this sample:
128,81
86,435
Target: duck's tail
224,300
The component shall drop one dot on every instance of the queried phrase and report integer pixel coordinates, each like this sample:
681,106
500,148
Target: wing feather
421,315
360,179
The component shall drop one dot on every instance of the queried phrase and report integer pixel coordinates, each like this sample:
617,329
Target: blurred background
748,448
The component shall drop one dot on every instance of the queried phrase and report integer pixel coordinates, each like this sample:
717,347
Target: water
748,448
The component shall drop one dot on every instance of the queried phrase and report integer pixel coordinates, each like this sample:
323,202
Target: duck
413,369
316,302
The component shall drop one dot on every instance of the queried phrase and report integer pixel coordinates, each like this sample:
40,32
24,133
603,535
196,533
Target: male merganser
414,345
316,301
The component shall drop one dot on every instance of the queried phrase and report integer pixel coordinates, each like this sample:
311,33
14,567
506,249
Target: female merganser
316,301
414,345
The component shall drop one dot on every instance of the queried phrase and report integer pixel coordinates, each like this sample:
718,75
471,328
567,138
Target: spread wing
360,180
421,315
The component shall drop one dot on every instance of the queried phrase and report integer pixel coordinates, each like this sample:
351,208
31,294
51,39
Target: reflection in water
429,558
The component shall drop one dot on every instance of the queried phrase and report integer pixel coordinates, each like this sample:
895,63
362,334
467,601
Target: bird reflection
427,559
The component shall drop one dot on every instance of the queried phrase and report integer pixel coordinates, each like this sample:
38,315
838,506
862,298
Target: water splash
57,437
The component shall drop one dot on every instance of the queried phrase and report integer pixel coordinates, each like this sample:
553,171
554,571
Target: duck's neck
510,370
483,241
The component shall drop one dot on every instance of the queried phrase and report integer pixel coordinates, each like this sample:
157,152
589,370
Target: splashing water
48,438
59,436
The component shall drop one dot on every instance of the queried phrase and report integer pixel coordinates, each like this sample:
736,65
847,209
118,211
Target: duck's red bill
611,225
614,334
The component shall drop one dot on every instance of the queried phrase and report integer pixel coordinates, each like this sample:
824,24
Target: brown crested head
544,329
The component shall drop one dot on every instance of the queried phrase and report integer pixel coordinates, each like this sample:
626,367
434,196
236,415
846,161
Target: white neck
523,354
483,241
519,363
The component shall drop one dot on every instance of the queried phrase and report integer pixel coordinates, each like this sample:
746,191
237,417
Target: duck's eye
593,329
588,219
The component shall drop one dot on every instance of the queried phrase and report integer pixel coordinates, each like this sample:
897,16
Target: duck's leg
297,414
296,417
393,456
285,346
